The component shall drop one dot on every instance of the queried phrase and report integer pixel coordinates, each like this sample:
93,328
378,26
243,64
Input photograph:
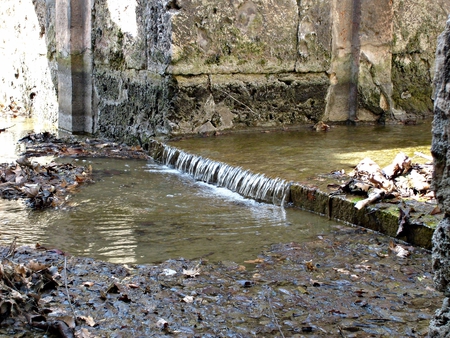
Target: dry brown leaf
20,270
436,210
69,320
310,266
36,266
88,320
191,272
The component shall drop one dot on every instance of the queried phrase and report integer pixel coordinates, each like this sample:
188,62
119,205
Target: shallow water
299,155
142,212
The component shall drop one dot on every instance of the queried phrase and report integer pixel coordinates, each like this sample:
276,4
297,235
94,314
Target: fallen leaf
310,266
88,320
344,271
188,299
36,266
255,261
191,272
69,320
399,250
83,333
436,210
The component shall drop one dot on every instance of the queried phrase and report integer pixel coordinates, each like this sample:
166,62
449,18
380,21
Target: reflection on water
298,155
17,128
143,212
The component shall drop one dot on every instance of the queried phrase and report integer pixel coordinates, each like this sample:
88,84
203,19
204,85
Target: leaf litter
292,290
350,283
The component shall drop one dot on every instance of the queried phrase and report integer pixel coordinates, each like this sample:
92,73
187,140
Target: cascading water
236,179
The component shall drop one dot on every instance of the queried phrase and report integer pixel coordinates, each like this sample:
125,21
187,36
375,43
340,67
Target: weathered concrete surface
27,67
440,326
242,64
417,24
73,43
223,65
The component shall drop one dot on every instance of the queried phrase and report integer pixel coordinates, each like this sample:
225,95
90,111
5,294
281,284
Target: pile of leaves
400,179
44,186
47,144
22,285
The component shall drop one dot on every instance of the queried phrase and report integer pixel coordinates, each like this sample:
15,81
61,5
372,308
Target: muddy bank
352,283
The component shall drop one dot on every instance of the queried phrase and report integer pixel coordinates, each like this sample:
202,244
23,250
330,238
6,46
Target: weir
310,195
256,186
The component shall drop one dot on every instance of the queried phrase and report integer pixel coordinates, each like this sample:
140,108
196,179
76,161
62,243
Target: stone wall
180,67
440,326
417,25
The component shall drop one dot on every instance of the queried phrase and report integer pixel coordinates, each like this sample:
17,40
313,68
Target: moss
413,77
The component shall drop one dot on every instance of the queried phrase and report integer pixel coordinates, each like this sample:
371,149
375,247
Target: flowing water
144,212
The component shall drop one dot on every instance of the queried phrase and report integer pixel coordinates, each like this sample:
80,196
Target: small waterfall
244,182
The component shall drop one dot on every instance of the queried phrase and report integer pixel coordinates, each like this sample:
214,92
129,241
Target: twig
4,129
273,314
220,90
67,288
11,251
418,153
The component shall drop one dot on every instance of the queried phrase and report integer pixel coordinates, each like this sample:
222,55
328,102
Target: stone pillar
440,325
74,57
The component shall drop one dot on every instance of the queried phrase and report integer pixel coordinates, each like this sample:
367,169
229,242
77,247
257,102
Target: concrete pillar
341,95
74,57
360,72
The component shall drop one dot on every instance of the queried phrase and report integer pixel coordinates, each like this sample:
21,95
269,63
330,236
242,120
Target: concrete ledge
381,217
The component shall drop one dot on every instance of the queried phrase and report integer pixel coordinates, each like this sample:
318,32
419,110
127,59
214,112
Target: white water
236,179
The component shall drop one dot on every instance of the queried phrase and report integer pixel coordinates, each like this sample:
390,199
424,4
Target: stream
144,212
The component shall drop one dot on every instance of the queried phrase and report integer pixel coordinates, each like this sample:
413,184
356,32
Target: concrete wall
136,69
27,72
74,58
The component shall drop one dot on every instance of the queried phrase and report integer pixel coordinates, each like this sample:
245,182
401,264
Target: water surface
142,212
299,155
